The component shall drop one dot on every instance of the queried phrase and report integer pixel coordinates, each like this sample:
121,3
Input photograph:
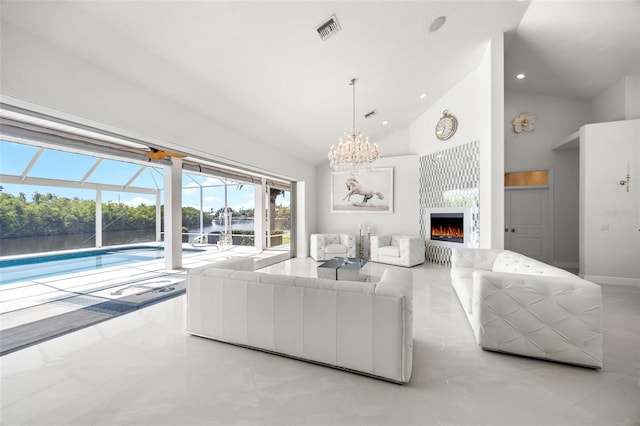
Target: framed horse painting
369,192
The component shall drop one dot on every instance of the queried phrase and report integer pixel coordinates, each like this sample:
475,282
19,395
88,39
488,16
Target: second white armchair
402,250
328,246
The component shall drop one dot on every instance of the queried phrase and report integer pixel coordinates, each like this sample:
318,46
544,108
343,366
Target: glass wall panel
37,219
54,164
15,157
114,172
128,218
278,233
227,210
151,177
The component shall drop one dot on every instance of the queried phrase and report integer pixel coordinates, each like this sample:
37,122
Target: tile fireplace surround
450,181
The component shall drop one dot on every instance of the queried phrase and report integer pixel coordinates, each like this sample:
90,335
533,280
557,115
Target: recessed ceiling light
520,76
385,122
437,24
424,95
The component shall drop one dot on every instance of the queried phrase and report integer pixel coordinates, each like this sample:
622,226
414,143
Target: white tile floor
143,369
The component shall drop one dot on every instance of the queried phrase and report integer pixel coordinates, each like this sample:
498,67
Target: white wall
37,75
619,101
493,77
632,95
609,215
557,118
609,105
396,143
403,220
477,108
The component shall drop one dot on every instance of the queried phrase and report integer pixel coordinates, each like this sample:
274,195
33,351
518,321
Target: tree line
48,214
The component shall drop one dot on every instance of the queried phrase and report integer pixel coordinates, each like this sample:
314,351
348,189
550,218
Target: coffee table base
342,268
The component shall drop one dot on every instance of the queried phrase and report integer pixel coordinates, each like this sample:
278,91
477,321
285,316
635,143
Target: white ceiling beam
135,176
91,170
72,184
32,163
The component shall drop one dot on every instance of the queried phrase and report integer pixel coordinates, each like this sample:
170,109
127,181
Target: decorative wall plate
524,121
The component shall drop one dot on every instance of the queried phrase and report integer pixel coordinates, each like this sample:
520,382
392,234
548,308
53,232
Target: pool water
45,266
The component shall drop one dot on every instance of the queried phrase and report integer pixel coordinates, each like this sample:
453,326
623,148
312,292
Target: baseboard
632,282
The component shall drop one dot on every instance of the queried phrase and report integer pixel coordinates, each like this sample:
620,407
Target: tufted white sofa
519,305
328,246
402,250
363,327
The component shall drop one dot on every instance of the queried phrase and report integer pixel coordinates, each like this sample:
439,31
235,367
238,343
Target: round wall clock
447,126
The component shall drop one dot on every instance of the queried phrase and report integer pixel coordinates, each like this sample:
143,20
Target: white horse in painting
356,188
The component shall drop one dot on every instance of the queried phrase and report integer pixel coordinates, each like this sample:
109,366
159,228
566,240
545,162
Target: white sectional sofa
401,250
363,327
519,305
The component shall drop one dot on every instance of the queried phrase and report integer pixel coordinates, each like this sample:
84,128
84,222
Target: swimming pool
37,267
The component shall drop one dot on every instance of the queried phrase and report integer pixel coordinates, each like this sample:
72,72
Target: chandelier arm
355,154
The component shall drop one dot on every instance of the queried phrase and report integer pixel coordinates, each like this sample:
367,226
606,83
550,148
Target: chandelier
355,155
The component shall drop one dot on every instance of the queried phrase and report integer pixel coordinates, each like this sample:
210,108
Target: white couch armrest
398,285
317,246
412,250
349,240
473,258
235,263
377,241
397,282
548,317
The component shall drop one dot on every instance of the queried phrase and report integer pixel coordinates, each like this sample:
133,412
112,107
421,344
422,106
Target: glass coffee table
342,268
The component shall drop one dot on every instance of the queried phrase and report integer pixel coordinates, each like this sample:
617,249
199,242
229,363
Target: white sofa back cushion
509,261
366,327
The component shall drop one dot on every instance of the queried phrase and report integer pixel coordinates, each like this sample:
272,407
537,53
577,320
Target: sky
53,164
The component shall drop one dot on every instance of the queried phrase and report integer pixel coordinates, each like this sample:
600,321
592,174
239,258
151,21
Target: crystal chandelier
355,155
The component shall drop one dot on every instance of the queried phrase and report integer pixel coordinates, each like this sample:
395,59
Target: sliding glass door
278,217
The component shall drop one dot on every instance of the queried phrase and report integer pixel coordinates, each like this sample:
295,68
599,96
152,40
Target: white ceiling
260,67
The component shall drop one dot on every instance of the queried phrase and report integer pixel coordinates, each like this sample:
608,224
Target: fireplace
447,227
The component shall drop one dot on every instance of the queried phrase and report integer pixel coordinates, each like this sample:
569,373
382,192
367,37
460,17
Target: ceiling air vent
370,114
328,28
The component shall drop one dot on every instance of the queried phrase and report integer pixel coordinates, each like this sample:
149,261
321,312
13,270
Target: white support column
98,218
158,216
302,233
173,215
201,212
259,215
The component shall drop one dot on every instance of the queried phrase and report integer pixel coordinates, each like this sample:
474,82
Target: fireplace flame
447,231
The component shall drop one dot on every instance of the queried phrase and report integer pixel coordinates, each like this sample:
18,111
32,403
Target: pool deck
29,301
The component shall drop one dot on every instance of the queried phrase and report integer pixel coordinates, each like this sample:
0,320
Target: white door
527,222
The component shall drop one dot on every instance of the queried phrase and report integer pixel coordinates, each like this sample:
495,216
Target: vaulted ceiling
260,66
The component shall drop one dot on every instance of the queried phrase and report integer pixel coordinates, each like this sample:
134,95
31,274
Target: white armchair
328,246
402,250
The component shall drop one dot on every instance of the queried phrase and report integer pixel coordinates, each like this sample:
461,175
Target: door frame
549,187
268,185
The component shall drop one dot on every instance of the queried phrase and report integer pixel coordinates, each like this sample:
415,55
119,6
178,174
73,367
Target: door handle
513,229
506,229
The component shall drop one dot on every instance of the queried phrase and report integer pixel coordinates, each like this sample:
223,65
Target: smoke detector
328,28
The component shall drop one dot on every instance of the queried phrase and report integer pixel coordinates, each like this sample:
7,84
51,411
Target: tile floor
143,369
